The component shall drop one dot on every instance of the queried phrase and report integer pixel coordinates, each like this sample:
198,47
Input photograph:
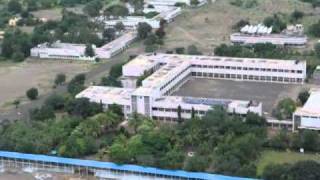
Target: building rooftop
64,49
312,106
119,42
108,95
117,167
223,60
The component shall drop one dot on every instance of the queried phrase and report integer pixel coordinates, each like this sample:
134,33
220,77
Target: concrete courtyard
267,93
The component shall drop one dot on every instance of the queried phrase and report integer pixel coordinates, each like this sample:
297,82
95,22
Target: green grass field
280,157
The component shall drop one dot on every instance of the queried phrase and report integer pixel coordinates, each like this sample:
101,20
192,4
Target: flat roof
113,166
107,95
119,42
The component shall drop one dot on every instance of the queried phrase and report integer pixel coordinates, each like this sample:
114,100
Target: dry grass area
50,14
211,25
17,78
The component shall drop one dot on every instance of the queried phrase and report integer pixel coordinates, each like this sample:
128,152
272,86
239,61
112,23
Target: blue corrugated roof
113,166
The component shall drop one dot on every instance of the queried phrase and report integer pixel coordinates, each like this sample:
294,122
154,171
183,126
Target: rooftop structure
259,29
100,169
167,72
308,117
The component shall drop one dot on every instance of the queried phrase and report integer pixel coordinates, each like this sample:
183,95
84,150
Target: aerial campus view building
167,72
59,50
70,51
293,36
101,170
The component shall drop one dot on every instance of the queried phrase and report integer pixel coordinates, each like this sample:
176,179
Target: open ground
267,93
210,25
281,157
17,78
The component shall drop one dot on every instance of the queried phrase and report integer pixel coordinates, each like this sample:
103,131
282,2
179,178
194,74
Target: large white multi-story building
71,51
168,72
308,117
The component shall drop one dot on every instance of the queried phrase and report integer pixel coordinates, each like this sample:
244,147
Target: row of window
176,110
247,68
248,77
164,86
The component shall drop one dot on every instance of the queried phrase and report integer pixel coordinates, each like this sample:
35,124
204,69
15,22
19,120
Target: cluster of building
169,71
166,11
58,50
249,34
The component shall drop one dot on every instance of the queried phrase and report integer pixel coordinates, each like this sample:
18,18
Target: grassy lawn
280,157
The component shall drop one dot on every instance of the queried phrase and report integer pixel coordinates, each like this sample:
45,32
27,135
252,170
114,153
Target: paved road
94,75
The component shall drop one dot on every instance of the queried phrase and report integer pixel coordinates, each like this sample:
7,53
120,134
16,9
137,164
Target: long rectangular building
276,39
102,170
167,72
72,51
58,50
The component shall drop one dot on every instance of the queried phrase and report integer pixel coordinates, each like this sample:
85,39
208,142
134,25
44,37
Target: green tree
314,29
89,51
317,48
285,108
305,170
137,4
276,22
275,172
60,79
109,34
82,107
55,101
303,96
194,2
193,50
14,6
43,113
18,56
93,8
119,26
16,103
179,116
196,163
76,84
310,140
193,113
117,10
296,15
32,93
180,50
144,29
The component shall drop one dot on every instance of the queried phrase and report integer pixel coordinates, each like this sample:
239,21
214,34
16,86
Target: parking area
267,93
